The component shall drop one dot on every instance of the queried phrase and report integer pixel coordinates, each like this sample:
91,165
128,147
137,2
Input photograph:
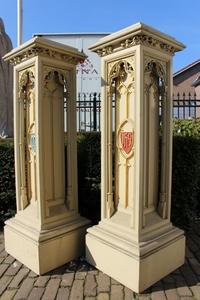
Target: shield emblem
127,141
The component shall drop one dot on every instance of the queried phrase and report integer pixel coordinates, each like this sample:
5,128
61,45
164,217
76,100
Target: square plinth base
42,251
135,266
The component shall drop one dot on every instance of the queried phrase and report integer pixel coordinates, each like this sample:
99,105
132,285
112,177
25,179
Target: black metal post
95,112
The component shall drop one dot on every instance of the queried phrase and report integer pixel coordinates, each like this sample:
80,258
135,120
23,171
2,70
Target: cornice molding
46,48
139,39
138,34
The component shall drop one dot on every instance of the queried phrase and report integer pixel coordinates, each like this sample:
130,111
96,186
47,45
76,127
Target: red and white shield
127,141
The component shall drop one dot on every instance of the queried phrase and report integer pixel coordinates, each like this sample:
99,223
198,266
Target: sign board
88,71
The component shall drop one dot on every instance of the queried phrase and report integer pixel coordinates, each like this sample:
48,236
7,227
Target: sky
178,18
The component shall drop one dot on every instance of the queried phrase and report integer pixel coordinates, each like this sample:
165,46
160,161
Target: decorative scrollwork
105,51
139,39
46,52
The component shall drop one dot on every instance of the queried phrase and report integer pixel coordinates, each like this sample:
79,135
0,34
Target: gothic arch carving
26,109
56,100
120,70
120,89
155,75
155,94
58,76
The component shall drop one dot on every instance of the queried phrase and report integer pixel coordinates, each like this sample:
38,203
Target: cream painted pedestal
47,230
45,250
135,265
135,242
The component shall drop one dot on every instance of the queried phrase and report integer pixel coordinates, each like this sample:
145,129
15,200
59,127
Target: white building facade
88,72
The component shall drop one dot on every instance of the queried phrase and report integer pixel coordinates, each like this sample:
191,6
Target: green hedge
185,175
7,180
187,128
186,172
185,181
88,177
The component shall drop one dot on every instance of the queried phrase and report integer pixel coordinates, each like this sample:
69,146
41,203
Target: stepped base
136,266
42,251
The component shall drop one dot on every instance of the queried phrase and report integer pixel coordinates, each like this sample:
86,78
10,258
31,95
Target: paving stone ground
78,280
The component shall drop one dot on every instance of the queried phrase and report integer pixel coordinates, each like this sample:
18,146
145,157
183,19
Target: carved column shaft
47,218
138,233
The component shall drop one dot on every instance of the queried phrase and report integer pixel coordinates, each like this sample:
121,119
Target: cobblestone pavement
77,280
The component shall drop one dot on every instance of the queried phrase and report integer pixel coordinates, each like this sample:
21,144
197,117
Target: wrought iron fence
88,109
186,106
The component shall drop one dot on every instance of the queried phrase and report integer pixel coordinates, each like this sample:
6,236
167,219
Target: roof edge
70,33
186,68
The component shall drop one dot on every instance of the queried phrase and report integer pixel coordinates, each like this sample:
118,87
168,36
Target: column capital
138,34
40,46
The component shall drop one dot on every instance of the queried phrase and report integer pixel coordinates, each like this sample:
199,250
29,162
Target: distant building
187,80
186,91
88,73
88,77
